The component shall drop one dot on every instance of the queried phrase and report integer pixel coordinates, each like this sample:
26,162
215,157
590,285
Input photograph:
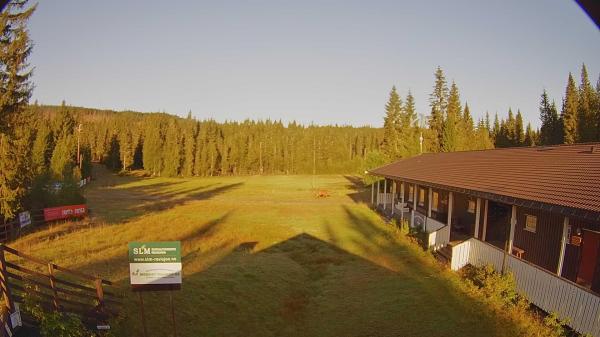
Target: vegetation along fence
543,288
28,280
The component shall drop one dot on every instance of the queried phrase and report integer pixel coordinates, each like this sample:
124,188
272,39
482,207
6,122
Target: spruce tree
519,130
569,113
438,100
391,123
586,117
450,132
529,136
409,133
16,131
40,150
547,128
172,150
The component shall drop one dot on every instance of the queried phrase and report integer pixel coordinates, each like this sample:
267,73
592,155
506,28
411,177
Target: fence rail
543,288
53,287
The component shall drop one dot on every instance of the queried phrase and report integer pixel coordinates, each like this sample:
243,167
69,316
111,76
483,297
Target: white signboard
25,219
155,263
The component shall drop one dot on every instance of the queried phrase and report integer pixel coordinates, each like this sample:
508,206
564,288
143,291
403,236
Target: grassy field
263,256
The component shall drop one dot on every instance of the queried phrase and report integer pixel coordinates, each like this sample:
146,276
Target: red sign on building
64,212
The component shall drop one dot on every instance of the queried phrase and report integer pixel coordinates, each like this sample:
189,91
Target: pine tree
496,129
529,136
438,100
409,133
510,129
569,112
450,132
153,147
16,131
40,151
189,147
547,128
519,130
172,150
586,116
391,123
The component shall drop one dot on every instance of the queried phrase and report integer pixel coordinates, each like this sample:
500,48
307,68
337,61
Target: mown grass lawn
263,256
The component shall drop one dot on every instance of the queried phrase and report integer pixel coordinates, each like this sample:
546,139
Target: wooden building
534,211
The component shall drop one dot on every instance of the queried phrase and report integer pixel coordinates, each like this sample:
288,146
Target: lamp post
78,147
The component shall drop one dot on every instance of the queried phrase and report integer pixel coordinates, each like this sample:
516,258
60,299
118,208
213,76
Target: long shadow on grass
361,194
148,199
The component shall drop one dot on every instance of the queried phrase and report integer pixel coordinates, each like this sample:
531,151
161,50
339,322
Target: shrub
557,325
501,288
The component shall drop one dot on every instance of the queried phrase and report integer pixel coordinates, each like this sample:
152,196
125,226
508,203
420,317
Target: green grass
263,256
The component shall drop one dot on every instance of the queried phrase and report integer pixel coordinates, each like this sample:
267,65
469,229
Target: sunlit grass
263,256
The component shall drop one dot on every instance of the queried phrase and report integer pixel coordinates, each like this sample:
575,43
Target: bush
501,288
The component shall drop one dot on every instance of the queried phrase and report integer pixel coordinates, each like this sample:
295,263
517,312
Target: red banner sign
64,212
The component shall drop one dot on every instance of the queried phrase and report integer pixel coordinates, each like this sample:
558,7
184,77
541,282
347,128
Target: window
471,207
421,197
435,200
530,223
411,192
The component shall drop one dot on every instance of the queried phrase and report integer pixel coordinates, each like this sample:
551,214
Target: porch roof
561,178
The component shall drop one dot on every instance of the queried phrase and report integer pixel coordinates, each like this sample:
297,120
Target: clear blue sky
310,61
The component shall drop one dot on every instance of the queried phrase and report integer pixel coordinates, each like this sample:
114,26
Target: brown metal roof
567,176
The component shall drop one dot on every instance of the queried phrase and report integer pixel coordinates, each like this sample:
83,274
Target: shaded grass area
263,256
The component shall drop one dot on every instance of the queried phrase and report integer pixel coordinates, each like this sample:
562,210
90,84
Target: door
589,256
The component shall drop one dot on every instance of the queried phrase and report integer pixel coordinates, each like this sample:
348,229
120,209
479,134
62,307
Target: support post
485,216
477,214
385,193
563,244
509,238
99,292
393,195
173,313
450,206
53,286
6,293
415,193
142,313
513,222
378,193
372,194
402,200
430,196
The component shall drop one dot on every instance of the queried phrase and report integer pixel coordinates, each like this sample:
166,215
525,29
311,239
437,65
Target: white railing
543,288
460,255
432,225
385,198
439,238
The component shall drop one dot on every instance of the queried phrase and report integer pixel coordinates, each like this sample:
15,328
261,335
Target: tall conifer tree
438,101
570,112
16,131
391,123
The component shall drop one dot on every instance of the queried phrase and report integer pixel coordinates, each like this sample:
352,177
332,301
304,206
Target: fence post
53,286
8,301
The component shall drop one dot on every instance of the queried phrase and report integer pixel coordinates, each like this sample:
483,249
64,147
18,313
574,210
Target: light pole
78,147
418,122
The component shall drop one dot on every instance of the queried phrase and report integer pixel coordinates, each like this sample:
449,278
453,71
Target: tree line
450,126
42,145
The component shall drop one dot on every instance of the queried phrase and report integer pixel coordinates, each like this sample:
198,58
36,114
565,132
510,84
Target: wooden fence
546,290
24,277
11,229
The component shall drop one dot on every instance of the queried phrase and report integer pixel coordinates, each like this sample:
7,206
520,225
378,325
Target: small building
533,211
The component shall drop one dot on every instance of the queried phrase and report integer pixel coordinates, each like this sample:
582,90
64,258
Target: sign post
155,266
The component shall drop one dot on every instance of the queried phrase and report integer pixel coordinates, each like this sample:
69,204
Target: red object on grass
65,212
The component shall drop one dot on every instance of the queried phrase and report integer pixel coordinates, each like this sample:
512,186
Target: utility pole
78,147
